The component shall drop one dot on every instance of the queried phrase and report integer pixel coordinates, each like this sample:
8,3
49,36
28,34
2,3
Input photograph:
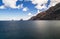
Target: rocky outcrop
53,13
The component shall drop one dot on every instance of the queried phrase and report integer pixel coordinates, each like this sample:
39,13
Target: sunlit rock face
53,13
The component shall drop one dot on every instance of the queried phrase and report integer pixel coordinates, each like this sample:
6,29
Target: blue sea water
29,30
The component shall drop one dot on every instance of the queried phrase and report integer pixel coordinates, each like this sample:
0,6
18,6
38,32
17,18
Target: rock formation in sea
53,13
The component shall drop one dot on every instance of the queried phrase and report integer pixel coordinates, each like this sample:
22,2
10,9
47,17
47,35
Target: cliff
53,13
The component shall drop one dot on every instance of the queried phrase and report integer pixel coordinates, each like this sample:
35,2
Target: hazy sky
23,9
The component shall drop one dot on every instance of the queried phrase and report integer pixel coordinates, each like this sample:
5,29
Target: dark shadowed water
29,30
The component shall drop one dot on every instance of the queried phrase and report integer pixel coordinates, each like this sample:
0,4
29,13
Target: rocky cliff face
53,13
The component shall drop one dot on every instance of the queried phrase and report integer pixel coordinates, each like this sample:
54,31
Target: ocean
29,29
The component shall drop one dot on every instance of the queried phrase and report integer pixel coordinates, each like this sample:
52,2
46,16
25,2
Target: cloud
54,2
25,9
40,7
40,4
39,1
12,4
2,7
38,11
20,6
29,14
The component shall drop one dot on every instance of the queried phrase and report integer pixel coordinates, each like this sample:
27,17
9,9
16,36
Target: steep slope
53,13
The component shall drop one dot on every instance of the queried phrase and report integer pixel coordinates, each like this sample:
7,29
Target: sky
23,9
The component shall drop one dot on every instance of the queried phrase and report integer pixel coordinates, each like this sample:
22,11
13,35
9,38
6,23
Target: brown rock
53,13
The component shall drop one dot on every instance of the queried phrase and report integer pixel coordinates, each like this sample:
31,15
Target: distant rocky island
53,13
